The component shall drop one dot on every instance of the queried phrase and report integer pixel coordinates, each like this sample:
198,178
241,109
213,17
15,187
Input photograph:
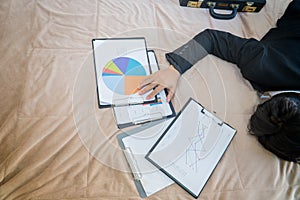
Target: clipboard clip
137,175
128,101
148,118
212,116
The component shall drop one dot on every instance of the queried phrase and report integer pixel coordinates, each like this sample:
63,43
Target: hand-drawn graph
202,142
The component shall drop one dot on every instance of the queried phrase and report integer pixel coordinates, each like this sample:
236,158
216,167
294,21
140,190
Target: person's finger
169,96
147,88
149,79
155,92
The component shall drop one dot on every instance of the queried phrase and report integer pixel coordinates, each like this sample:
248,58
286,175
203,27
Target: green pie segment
122,75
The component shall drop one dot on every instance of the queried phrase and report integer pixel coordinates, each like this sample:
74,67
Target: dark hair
276,123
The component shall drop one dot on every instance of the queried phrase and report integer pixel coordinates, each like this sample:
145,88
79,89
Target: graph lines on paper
202,143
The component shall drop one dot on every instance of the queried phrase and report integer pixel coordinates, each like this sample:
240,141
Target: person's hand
166,78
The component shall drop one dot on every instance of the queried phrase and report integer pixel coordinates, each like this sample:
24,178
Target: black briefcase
233,5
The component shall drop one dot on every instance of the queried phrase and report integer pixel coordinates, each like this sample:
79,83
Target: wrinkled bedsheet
56,143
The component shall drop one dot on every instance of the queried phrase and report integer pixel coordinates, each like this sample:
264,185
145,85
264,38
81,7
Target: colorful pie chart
122,75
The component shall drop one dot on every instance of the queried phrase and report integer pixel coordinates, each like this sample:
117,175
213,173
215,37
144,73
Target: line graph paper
202,142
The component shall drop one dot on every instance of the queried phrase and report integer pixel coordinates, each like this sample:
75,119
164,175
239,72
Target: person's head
276,123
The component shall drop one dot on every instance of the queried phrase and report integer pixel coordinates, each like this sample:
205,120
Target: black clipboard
155,115
186,167
120,50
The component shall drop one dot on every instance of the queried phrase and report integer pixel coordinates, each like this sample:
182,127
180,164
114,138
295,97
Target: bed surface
56,143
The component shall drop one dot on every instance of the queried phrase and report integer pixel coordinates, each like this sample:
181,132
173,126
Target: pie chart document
120,65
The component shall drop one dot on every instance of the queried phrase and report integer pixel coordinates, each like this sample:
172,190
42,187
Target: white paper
113,76
139,144
192,147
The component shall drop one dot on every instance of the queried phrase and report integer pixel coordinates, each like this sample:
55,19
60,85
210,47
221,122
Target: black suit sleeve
224,45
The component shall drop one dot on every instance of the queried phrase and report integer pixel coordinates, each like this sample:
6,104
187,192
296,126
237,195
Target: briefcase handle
215,15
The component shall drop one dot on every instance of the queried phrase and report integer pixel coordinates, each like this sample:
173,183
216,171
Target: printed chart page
189,150
120,65
135,114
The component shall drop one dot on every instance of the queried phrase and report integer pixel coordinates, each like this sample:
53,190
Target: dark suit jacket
273,63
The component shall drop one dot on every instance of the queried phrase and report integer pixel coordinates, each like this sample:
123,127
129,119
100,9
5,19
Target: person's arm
221,44
241,51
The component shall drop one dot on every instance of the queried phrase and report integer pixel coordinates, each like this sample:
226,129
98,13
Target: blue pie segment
117,72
